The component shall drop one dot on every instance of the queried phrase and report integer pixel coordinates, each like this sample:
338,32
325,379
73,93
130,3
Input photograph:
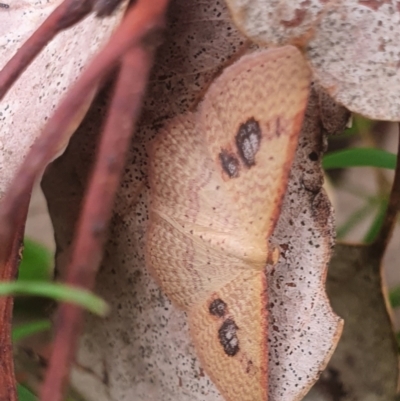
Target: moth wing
251,117
184,266
183,180
229,330
194,238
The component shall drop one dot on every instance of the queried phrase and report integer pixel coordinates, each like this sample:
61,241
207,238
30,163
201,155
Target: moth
217,180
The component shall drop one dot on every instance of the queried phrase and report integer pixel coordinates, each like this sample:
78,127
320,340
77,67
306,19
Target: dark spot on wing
4,5
249,367
278,127
229,163
228,337
217,307
248,141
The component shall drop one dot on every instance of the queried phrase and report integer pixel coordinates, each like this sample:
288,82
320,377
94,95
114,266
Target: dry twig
96,212
126,44
8,271
141,20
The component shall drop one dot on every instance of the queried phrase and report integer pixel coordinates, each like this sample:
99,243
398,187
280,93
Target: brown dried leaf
143,350
365,363
34,97
352,45
300,311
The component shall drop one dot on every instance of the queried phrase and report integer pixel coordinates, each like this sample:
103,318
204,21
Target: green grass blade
377,223
36,262
394,297
24,394
27,329
57,291
360,157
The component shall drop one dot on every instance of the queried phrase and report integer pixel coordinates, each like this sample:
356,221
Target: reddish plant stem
8,271
381,242
96,212
65,15
142,19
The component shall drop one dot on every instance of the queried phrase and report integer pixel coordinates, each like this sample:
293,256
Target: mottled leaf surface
352,45
365,363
